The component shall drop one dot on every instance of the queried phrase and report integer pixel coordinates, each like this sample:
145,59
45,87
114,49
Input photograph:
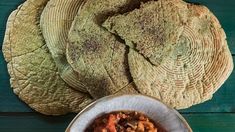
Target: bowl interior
170,119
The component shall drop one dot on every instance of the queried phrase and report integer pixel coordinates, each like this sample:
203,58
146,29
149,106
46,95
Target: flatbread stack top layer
64,54
183,57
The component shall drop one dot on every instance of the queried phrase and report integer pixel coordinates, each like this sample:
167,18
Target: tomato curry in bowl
124,121
128,113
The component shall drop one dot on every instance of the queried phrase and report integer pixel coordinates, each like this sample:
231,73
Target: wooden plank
223,100
223,10
38,123
9,102
34,123
211,122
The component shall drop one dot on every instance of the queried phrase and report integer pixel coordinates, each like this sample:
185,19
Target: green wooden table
217,115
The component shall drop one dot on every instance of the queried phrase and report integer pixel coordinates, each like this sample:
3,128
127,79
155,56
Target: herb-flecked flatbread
96,53
34,75
55,22
178,51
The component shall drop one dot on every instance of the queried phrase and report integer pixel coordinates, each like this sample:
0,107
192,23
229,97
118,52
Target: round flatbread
178,51
95,53
150,30
34,75
55,22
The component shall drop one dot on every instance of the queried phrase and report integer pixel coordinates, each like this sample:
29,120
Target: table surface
217,115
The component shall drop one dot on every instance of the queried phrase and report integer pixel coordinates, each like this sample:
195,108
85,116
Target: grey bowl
169,118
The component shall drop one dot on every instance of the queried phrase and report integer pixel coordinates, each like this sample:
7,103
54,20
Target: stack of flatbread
64,54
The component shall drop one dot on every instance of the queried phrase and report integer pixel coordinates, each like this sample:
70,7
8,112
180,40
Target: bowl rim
90,106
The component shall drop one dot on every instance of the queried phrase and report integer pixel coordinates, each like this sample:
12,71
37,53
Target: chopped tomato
112,121
129,121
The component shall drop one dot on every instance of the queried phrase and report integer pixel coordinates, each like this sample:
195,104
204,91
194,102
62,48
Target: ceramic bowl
160,113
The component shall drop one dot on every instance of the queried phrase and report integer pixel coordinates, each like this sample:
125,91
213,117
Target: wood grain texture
33,122
216,120
211,122
223,100
8,100
223,10
38,123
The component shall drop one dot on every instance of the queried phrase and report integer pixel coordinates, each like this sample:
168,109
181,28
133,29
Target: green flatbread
97,54
34,75
55,22
178,51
